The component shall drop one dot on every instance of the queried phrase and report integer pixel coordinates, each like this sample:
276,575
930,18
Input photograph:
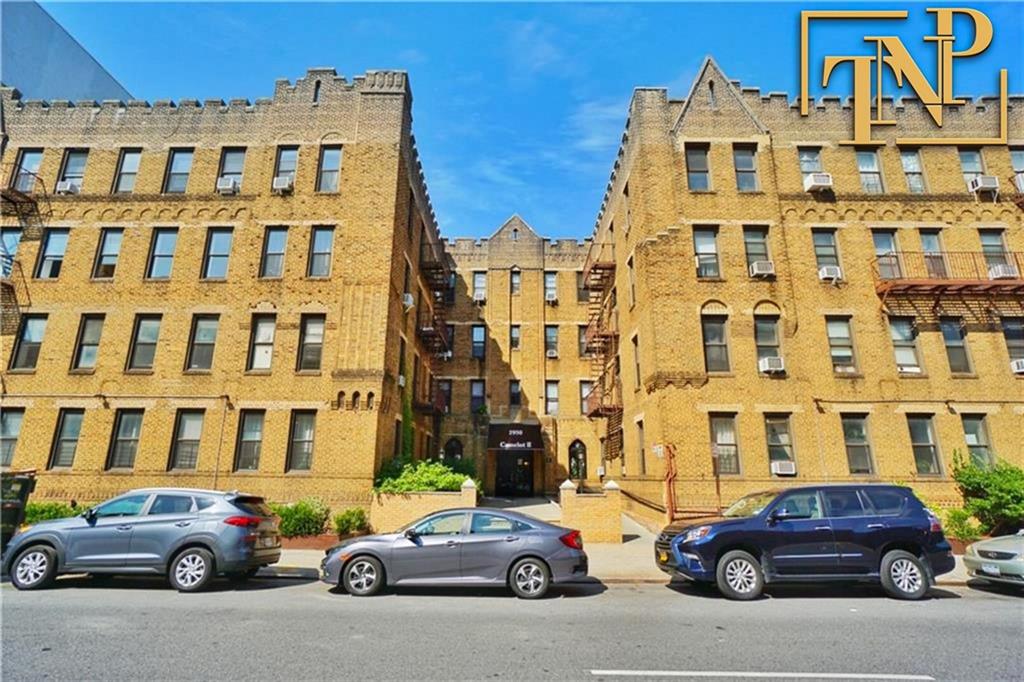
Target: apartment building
231,295
779,307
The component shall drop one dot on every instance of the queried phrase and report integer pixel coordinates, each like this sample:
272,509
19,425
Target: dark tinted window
204,503
840,503
802,504
123,506
885,501
252,505
170,504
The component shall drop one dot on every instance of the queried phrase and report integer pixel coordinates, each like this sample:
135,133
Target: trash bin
15,487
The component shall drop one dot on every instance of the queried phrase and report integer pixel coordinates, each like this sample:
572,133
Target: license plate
663,557
991,569
266,542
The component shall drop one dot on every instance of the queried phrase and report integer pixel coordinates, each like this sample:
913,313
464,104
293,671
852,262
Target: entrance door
514,474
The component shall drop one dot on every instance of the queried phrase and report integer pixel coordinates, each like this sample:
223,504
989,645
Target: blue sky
518,108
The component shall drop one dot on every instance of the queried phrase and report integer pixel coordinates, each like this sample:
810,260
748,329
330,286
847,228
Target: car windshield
751,505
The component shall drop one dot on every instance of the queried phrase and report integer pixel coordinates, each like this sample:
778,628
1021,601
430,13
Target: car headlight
696,533
971,550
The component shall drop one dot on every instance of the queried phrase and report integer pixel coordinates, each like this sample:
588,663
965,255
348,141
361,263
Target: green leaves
416,477
47,511
350,521
993,495
308,516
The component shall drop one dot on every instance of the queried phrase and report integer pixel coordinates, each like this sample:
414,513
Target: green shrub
308,516
960,526
416,477
993,495
350,521
47,511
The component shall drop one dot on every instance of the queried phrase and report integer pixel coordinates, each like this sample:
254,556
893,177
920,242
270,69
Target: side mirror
411,534
89,515
779,515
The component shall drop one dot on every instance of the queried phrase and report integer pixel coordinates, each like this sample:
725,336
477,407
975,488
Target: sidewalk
630,562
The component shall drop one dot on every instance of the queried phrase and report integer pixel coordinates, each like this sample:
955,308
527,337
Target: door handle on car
182,524
451,543
124,528
823,528
876,525
511,538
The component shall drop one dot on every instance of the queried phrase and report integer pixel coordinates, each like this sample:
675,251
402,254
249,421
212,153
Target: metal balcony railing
960,271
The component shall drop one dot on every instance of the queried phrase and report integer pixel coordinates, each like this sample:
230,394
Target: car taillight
936,525
243,521
573,539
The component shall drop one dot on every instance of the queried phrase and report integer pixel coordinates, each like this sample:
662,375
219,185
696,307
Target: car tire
739,576
904,575
529,578
363,576
191,570
35,568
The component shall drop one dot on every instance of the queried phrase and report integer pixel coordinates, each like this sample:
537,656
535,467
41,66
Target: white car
999,560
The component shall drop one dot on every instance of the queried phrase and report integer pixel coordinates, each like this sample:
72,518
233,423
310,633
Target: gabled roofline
708,62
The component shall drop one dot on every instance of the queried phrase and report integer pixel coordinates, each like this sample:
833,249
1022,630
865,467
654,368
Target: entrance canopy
514,437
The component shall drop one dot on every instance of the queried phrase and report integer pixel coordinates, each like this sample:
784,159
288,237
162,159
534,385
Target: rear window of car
885,502
253,505
204,503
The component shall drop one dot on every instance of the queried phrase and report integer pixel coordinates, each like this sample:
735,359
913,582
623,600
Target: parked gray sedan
461,547
189,535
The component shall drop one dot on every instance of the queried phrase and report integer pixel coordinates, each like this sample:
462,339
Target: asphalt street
128,628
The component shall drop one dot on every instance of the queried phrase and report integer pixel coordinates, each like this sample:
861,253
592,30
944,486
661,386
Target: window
444,388
551,338
970,164
124,440
261,342
88,345
705,245
870,171
1017,160
994,248
449,292
640,447
30,338
170,504
143,349
976,435
107,253
232,162
1013,332
810,160
515,395
480,284
287,161
250,440
801,505
551,397
840,345
515,282
127,171
65,438
10,427
188,427
586,388
274,241
825,251
698,177
73,168
636,361
841,504
477,396
321,246
724,448
582,295
218,250
10,237
311,341
489,523
780,442
903,332
445,523
550,285
744,157
716,348
887,254
954,336
858,449
581,340
479,350
766,336
755,243
922,440
577,460
27,170
179,165
514,337
449,330
300,441
123,506
934,256
202,341
913,170
885,501
51,256
631,274
330,169
161,253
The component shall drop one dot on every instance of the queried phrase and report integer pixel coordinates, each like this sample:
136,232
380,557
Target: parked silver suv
188,535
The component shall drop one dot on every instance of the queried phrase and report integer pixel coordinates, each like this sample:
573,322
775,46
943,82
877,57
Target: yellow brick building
857,326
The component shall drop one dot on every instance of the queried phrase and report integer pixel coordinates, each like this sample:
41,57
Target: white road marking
753,675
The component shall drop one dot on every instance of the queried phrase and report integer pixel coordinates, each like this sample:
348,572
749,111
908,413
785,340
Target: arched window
341,400
711,94
355,400
515,234
453,449
369,401
577,460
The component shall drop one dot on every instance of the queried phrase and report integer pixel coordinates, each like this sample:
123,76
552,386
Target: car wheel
530,578
35,568
739,576
904,575
191,570
363,576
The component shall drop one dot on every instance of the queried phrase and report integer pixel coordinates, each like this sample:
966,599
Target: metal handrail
948,266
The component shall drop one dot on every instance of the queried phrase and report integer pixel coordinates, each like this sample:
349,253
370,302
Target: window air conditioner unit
283,184
784,468
401,381
552,353
772,365
762,268
830,273
445,355
909,369
1017,366
1003,271
983,183
67,187
407,301
479,296
551,297
1018,180
227,186
818,182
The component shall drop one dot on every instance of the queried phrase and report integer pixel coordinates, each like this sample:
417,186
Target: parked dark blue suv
812,534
